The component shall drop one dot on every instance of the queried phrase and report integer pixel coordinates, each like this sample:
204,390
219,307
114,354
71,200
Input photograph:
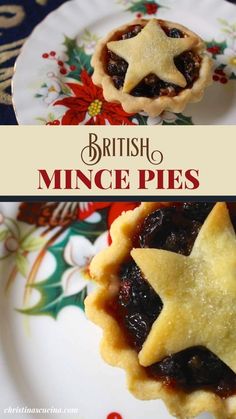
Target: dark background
34,13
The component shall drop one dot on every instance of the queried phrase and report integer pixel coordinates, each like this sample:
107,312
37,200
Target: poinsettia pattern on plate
142,7
71,87
69,231
224,54
82,100
86,105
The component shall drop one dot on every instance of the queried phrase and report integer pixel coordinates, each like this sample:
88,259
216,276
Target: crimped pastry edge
114,348
153,107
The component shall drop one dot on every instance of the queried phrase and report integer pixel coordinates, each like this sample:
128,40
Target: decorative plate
50,352
52,83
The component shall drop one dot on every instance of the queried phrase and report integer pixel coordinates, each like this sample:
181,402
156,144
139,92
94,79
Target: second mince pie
152,66
167,304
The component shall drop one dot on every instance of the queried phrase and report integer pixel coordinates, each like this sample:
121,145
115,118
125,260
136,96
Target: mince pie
167,304
152,66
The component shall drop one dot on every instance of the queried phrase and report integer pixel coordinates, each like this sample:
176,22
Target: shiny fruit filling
188,63
175,229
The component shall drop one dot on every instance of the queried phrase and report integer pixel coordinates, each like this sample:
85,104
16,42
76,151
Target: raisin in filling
174,229
188,63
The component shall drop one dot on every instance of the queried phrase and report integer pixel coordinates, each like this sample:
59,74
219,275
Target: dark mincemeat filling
174,229
151,86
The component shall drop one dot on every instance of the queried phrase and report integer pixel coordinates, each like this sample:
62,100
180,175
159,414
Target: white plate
50,356
40,82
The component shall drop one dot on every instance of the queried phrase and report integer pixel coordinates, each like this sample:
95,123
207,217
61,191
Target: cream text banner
118,161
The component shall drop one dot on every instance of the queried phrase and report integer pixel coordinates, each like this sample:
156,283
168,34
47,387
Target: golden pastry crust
152,106
203,281
114,347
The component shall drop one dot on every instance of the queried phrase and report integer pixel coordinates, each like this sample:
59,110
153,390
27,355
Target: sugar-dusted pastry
152,66
166,301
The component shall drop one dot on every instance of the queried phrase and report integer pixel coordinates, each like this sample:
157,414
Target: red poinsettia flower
89,106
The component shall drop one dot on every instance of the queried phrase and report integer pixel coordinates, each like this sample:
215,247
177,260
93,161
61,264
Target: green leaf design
142,120
65,90
3,235
51,116
221,46
223,22
41,120
221,67
51,292
233,76
88,36
52,300
138,7
87,229
30,244
77,57
226,30
184,120
181,120
22,264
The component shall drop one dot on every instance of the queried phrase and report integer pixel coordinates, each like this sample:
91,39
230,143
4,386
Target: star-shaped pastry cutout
152,52
198,292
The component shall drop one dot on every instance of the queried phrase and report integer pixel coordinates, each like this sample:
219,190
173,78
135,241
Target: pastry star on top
198,292
152,51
